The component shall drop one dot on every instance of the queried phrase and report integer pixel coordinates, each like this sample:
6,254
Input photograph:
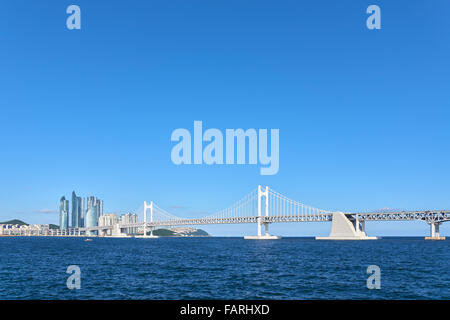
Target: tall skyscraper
82,213
98,204
100,207
63,213
77,210
128,219
92,217
90,202
74,210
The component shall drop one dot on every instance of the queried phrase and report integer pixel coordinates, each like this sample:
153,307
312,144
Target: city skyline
77,216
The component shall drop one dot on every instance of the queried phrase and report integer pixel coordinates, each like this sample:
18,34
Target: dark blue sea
223,268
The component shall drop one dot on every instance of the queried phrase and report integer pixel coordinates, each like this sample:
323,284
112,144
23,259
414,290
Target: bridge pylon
260,219
148,206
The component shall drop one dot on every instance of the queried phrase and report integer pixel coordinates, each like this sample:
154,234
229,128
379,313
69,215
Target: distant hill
15,221
171,233
53,226
199,232
163,233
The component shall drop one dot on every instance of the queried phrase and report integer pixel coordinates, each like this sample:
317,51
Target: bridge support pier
434,231
265,236
151,234
260,222
342,228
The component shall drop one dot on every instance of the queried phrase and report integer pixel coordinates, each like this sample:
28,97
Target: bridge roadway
428,216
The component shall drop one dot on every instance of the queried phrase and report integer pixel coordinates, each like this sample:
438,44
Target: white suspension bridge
264,206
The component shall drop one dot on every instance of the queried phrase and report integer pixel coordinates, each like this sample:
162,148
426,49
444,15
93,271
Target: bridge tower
260,219
148,206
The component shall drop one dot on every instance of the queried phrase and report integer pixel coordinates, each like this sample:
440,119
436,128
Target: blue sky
363,114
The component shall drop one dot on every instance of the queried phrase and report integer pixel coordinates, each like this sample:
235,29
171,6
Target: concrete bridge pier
342,228
260,236
151,235
434,231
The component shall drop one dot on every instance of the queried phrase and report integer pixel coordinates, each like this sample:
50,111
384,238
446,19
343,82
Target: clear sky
363,114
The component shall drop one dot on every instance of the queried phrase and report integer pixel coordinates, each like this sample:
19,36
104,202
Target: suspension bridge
262,207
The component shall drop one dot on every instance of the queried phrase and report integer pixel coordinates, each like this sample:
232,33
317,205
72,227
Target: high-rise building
108,219
90,202
92,217
77,210
129,218
74,210
94,202
63,213
82,213
100,207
